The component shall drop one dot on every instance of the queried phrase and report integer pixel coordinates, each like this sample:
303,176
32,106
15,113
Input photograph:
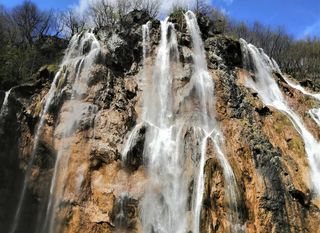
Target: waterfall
4,107
168,119
79,61
315,112
270,93
38,131
164,202
203,84
146,40
315,115
74,58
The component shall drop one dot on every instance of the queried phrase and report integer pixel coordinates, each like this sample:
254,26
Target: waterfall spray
80,64
164,205
202,82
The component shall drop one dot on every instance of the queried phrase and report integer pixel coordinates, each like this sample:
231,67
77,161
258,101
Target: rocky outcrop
264,150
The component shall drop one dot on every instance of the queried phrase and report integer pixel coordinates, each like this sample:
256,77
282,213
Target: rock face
265,151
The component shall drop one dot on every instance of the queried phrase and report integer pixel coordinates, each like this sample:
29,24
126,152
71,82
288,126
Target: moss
310,102
296,145
53,68
281,122
62,81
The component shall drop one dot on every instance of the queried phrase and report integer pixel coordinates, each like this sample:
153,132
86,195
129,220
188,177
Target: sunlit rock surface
102,192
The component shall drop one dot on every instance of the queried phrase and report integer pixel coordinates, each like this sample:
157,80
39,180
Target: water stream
81,58
75,58
168,118
315,112
269,92
4,107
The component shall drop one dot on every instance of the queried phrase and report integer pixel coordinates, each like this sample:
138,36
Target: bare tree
201,6
103,13
109,13
150,6
32,22
71,23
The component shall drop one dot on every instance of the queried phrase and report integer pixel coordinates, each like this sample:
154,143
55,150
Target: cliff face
96,190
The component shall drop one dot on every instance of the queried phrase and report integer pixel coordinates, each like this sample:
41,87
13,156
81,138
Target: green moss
281,121
296,145
53,68
62,81
310,102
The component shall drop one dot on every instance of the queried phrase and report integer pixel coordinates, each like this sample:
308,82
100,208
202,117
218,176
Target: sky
300,18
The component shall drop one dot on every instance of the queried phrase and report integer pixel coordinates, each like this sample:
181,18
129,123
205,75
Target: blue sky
300,18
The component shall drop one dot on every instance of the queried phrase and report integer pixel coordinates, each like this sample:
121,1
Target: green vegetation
28,40
299,58
31,38
281,122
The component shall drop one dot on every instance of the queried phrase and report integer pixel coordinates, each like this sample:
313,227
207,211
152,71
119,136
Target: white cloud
311,29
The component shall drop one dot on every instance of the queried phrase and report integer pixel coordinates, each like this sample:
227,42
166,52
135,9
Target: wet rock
125,213
134,158
2,96
100,155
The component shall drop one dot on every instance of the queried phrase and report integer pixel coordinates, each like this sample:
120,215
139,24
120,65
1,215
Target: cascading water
315,112
202,82
164,207
43,114
4,106
80,60
270,93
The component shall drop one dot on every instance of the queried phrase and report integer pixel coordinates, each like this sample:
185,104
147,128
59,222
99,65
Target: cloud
312,29
228,2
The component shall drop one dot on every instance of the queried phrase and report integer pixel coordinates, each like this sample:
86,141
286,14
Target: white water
67,61
43,113
315,115
4,107
146,40
164,203
78,65
132,139
315,112
166,115
271,95
203,84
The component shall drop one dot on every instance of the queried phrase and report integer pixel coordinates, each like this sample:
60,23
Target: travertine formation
102,193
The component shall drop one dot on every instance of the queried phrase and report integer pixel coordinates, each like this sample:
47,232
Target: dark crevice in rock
134,158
